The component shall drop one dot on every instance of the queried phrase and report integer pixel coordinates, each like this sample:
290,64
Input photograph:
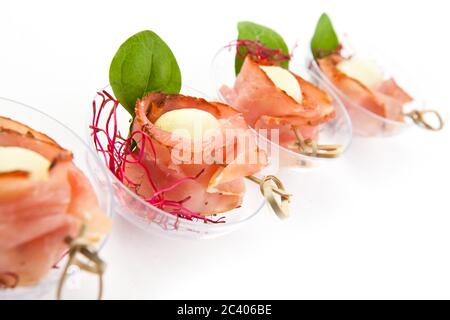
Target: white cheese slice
189,123
285,81
20,159
365,71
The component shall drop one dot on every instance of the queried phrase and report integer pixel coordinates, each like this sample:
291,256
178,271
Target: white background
374,224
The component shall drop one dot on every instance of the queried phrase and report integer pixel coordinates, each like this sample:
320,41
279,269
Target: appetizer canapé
183,155
217,179
361,81
270,96
44,198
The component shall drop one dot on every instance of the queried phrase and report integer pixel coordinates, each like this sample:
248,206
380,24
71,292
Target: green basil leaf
143,63
256,32
325,40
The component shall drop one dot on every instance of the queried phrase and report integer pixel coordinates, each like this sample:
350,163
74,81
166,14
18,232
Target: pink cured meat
218,187
386,99
266,106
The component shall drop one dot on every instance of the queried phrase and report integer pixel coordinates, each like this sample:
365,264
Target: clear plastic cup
337,131
84,159
156,221
367,123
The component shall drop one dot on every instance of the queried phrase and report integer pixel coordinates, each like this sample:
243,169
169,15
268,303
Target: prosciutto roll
385,98
38,213
265,106
208,173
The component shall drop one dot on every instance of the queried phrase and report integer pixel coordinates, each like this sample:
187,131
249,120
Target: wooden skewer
277,190
310,148
418,116
268,189
93,265
281,206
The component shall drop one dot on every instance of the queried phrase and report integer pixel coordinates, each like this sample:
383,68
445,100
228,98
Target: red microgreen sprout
320,53
118,151
258,52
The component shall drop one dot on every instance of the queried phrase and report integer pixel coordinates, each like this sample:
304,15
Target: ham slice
37,215
394,98
210,186
32,260
265,106
385,99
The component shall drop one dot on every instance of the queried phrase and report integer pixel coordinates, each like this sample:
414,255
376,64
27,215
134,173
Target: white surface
375,224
